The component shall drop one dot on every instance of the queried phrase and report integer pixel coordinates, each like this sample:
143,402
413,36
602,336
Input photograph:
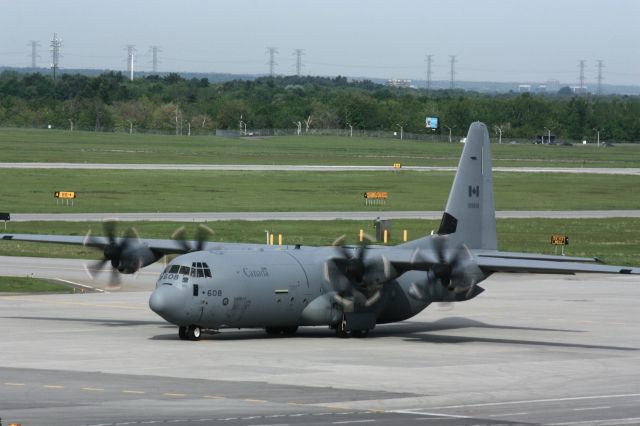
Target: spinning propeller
355,277
455,268
203,232
116,252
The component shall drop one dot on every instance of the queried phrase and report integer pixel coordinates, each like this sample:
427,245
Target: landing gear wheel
341,329
360,333
182,332
194,332
343,334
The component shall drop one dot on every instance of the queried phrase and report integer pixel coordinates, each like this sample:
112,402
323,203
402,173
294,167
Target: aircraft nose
167,301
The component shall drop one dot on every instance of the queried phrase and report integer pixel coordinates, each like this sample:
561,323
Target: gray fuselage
270,287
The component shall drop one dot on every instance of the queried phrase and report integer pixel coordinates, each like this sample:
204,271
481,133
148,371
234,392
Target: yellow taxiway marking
134,391
296,403
213,397
256,401
53,386
175,394
93,389
13,384
335,407
376,410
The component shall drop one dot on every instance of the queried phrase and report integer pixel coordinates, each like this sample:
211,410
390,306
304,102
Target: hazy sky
495,40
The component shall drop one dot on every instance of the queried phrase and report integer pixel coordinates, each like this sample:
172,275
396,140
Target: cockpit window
200,270
184,270
174,269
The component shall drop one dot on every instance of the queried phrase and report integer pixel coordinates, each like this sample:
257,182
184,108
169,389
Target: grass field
113,191
31,285
21,145
616,241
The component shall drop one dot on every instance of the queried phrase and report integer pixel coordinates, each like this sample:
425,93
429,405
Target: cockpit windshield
178,269
200,270
196,270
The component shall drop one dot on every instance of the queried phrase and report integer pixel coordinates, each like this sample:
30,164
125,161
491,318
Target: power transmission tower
452,84
272,59
298,53
582,65
600,78
154,58
34,52
429,61
131,49
56,44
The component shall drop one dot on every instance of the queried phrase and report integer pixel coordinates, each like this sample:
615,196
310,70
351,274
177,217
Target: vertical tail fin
470,213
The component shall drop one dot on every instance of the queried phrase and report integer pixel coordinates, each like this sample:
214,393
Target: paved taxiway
307,168
530,350
256,216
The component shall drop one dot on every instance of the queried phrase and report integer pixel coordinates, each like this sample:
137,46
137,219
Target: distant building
405,84
542,88
553,85
580,90
524,88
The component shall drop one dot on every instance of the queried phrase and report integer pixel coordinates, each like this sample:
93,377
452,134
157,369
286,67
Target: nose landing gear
193,332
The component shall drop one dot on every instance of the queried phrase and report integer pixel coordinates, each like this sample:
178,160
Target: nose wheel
193,332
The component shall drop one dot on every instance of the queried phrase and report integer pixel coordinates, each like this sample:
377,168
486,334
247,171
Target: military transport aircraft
348,288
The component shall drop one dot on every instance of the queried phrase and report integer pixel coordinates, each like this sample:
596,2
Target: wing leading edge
157,245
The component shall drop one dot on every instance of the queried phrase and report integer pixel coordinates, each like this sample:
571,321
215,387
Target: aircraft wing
491,261
500,263
160,246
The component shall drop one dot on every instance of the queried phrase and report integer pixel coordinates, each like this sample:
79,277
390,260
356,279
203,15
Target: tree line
171,103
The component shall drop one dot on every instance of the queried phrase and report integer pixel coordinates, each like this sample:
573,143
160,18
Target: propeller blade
115,282
347,304
110,230
416,292
180,235
339,242
93,269
373,299
202,234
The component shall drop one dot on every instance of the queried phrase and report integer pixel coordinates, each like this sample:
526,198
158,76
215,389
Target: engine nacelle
134,257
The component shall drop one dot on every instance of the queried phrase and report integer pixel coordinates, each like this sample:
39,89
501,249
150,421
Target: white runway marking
536,401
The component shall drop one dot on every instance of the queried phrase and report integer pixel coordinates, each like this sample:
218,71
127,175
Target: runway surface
558,350
318,216
305,168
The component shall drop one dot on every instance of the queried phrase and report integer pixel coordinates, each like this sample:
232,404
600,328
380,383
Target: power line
56,44
34,52
600,78
272,62
154,58
582,65
298,53
429,61
452,84
130,58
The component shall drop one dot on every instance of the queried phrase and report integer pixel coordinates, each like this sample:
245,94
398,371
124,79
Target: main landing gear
355,325
193,332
